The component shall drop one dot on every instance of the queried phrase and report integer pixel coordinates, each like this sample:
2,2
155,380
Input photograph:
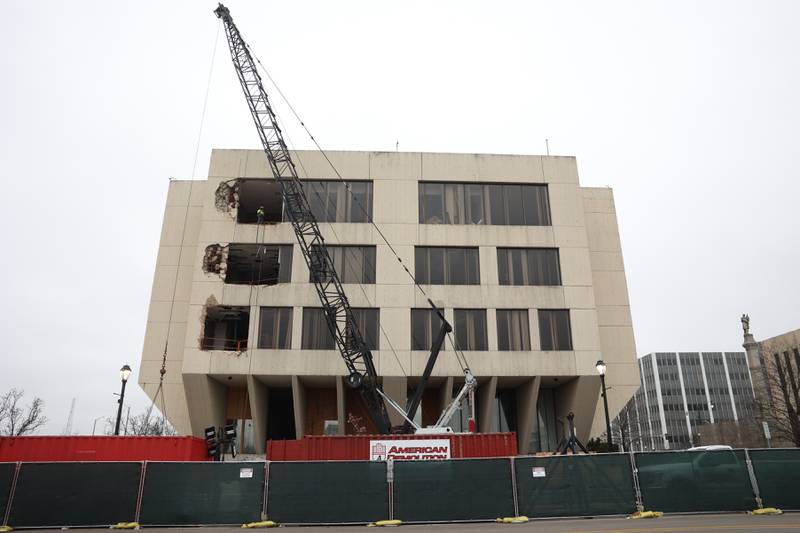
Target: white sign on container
409,450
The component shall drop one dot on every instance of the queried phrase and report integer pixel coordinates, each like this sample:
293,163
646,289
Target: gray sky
689,110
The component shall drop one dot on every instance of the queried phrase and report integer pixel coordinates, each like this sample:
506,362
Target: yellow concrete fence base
255,525
765,510
512,520
385,523
646,514
126,525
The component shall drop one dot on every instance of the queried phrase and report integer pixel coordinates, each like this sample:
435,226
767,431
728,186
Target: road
666,524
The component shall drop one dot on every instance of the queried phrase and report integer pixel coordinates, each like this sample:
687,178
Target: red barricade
357,447
59,449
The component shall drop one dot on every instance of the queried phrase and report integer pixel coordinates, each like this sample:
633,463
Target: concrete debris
226,199
215,260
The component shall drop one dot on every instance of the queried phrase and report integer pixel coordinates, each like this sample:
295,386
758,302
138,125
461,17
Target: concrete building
525,262
775,366
683,393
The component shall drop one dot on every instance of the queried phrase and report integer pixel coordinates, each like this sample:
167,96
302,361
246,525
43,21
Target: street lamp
124,374
601,369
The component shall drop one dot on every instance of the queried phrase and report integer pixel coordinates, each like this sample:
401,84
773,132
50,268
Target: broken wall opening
259,264
226,328
255,193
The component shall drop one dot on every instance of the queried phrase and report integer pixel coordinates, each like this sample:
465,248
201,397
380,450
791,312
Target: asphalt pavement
666,524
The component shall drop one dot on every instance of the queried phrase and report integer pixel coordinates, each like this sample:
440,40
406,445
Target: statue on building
746,324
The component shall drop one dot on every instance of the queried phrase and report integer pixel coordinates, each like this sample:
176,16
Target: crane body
339,316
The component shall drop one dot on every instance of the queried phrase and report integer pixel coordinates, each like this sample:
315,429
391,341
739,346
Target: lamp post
601,369
124,374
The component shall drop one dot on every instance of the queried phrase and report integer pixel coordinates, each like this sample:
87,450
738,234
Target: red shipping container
357,447
61,449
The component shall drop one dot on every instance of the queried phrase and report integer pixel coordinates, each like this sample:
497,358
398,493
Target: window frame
482,343
425,274
289,311
525,331
555,344
501,204
526,271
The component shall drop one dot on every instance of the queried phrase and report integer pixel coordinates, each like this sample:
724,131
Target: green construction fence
464,489
74,494
333,492
338,492
708,481
202,493
580,485
778,475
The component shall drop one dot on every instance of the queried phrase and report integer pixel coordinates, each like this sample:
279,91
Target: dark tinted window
317,336
275,329
447,265
331,202
470,203
470,329
353,264
528,266
554,329
425,324
512,330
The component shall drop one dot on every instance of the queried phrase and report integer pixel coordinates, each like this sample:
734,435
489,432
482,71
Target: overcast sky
689,110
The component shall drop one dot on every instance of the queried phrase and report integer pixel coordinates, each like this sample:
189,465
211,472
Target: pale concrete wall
584,229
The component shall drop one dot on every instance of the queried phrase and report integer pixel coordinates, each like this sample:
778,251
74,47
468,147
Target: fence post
140,494
753,480
11,494
636,487
390,486
266,489
514,486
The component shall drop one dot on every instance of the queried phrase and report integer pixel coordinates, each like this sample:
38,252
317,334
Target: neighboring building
683,392
775,367
525,263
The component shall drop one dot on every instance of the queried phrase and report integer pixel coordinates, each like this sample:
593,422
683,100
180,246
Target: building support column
485,399
206,399
396,388
579,396
299,404
259,403
340,404
527,396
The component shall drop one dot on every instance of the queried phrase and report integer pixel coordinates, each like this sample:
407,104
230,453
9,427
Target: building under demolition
525,263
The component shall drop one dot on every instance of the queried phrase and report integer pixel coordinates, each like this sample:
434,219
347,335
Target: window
528,266
447,266
554,330
331,202
354,264
425,324
468,203
512,330
317,336
275,330
471,329
257,264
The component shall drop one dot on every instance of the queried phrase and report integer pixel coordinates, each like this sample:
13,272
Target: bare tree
783,386
17,419
147,423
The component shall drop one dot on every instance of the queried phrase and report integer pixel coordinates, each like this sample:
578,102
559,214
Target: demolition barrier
339,492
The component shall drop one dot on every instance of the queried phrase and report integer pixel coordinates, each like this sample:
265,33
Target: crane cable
163,370
460,357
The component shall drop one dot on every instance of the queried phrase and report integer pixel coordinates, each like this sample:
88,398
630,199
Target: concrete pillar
299,404
397,389
758,373
259,407
446,396
580,396
485,399
527,396
206,399
340,403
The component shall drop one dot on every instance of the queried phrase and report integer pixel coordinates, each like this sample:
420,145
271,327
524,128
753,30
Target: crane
335,305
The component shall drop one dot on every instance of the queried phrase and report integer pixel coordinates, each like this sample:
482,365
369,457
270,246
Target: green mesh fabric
202,493
6,477
695,481
75,494
428,491
327,492
778,476
575,485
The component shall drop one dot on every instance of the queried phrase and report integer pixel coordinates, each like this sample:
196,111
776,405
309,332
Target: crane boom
335,305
